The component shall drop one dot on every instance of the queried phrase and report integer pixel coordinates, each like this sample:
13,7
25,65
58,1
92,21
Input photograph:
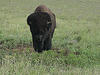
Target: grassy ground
76,42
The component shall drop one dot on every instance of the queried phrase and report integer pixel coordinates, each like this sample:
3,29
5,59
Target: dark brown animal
42,26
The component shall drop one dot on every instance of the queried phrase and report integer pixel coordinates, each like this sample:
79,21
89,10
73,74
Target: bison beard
42,25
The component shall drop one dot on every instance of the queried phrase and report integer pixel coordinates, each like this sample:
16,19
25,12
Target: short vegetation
76,41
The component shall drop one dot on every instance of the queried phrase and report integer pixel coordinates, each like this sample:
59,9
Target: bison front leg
48,43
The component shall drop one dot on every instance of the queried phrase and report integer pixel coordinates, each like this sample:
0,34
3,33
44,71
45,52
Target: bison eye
48,22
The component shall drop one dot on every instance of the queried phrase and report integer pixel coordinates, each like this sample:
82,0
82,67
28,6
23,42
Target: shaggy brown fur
42,25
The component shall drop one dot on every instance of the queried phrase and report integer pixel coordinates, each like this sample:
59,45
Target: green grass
78,31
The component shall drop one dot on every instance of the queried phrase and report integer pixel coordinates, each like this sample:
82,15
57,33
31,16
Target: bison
42,23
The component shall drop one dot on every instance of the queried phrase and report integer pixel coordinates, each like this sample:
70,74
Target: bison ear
29,20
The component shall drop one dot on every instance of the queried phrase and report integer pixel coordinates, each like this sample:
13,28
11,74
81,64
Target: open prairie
76,41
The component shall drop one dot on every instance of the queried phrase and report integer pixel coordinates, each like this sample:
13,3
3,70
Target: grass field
76,41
